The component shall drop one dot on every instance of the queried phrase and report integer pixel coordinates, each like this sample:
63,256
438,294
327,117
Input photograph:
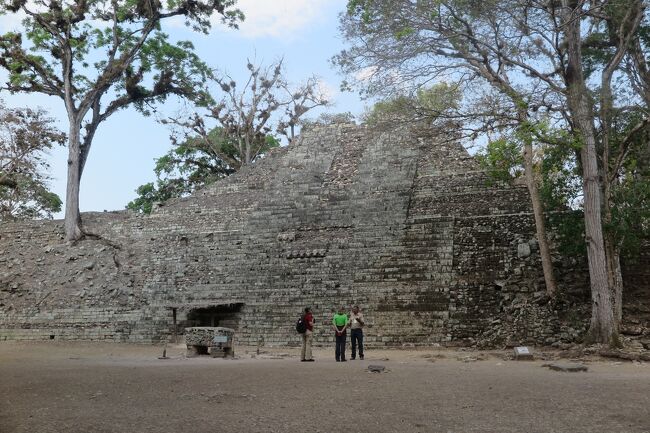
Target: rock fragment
566,367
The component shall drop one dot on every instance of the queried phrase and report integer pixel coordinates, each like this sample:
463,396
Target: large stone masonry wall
402,223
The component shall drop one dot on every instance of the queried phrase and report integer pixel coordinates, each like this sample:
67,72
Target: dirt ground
88,388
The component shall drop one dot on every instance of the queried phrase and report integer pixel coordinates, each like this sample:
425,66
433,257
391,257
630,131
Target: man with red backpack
307,324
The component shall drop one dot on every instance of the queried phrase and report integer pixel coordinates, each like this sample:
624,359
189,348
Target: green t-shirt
340,319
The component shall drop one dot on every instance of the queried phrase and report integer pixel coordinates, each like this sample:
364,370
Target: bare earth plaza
475,241
427,292
99,387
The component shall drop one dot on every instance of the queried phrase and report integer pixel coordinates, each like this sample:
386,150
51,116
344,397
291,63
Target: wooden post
174,320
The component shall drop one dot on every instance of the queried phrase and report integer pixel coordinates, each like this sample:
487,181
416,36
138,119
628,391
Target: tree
241,130
397,45
427,104
502,160
244,117
618,33
538,57
148,196
326,119
604,267
189,166
560,184
100,56
25,136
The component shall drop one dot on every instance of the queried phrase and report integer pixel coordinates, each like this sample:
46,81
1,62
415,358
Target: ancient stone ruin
215,341
401,222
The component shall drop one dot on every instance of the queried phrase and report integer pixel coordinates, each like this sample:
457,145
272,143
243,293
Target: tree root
116,247
628,356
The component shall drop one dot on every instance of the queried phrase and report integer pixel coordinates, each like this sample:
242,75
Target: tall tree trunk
501,82
612,251
602,328
540,224
72,216
622,34
615,279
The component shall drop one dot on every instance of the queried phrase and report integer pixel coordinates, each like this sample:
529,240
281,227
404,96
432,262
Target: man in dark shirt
305,354
356,331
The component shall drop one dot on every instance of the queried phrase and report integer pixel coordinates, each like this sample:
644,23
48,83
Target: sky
303,32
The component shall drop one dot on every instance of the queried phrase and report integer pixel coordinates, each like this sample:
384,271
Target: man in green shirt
340,325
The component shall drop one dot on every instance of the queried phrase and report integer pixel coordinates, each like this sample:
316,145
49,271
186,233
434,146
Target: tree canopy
190,165
228,133
25,137
100,56
525,65
245,116
426,104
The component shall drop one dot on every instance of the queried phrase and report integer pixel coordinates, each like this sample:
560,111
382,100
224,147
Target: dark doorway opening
200,350
226,315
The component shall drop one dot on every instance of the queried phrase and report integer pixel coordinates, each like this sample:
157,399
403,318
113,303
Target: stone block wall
402,223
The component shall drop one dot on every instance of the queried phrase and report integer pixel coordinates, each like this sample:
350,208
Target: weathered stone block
215,341
522,353
523,250
566,367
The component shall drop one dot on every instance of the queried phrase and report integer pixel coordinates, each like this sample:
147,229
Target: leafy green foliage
631,215
30,199
568,229
427,104
326,119
502,160
101,56
561,185
107,43
561,192
148,194
25,137
559,179
630,192
189,166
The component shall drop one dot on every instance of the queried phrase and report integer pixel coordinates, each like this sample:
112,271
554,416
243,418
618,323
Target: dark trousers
356,336
340,347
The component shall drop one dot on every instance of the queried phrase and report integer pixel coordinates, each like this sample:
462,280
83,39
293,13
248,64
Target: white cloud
11,22
365,74
264,18
278,18
327,91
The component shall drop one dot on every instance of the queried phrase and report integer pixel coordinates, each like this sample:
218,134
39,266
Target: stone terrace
401,222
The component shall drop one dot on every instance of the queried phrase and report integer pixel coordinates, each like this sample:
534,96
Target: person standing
356,331
340,325
305,354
